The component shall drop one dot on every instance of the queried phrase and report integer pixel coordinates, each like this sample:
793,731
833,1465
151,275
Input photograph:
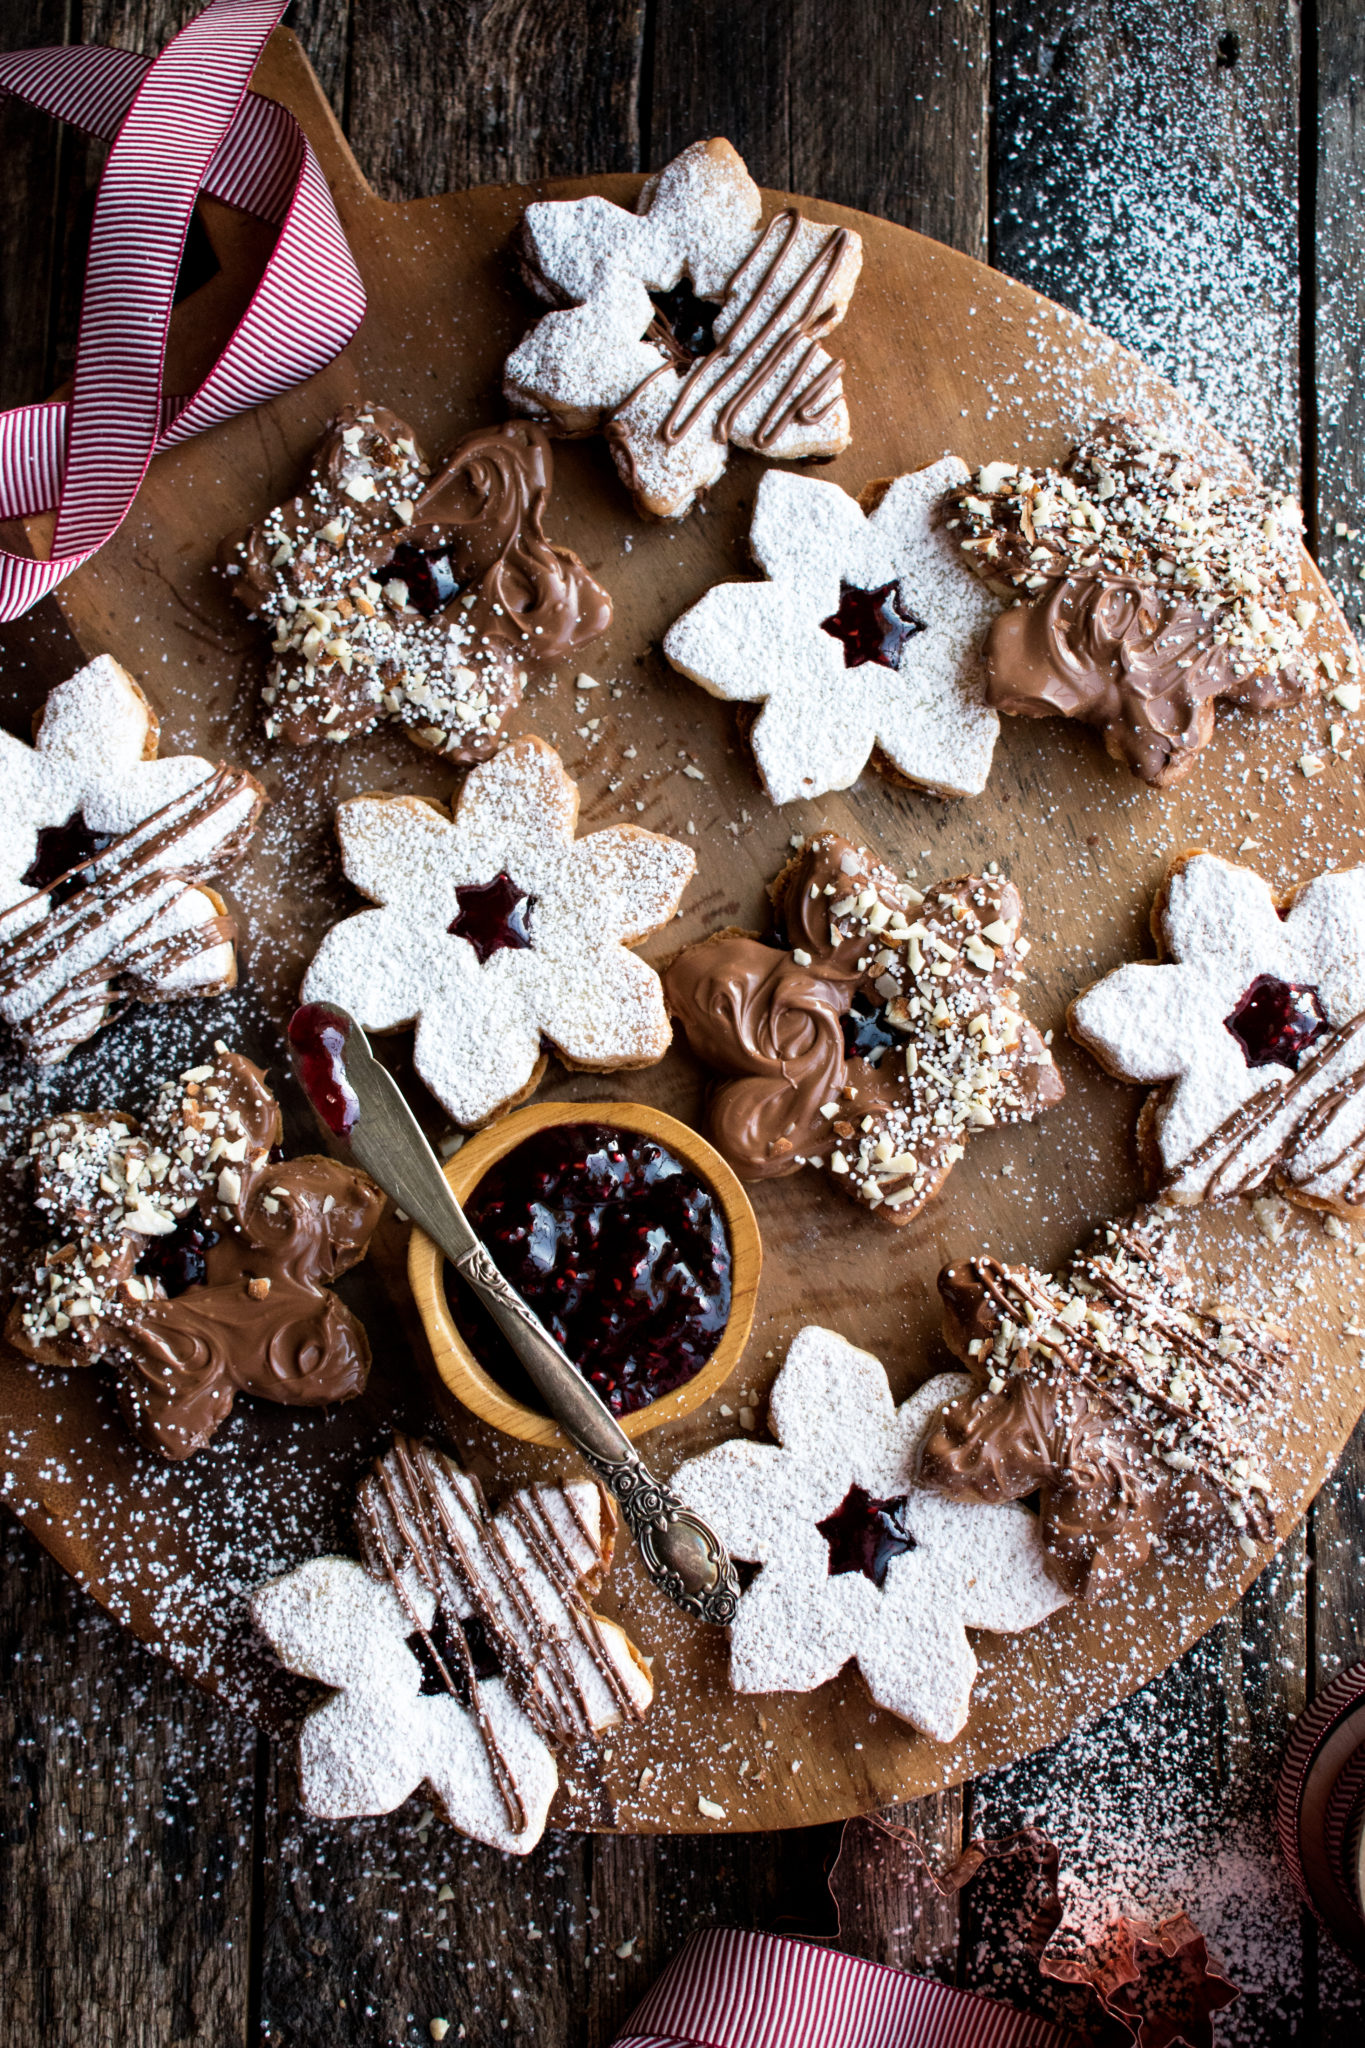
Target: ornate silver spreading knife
360,1102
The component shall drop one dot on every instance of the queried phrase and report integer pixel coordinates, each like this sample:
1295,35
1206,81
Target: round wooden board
941,353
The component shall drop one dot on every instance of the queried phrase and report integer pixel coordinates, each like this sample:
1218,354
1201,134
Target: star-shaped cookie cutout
499,930
845,1450
865,639
104,849
681,330
1251,1030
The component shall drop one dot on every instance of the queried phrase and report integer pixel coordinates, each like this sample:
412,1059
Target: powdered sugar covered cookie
419,599
1252,1029
462,1652
866,636
498,929
681,329
104,856
858,1560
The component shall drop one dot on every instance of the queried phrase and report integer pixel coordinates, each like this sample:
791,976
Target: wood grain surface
334,1934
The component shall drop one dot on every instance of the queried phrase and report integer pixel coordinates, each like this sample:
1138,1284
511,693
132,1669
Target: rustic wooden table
1190,177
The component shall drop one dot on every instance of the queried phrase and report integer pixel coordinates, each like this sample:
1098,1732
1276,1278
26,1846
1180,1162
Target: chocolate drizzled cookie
193,1258
874,1036
422,599
1147,591
1108,1388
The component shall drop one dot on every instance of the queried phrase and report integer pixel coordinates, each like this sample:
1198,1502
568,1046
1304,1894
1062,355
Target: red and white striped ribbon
731,1989
180,124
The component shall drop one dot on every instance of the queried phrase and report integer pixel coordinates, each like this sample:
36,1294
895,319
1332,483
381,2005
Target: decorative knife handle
682,1553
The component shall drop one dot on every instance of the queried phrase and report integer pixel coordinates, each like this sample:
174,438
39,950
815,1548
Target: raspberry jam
318,1036
61,848
1276,1021
178,1259
430,581
620,1249
684,323
864,1535
871,625
493,916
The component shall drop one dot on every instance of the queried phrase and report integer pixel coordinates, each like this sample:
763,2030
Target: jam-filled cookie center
494,916
683,323
427,579
1276,1021
179,1259
872,625
866,1535
60,849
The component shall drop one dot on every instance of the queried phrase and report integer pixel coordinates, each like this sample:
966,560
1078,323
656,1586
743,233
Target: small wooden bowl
456,1363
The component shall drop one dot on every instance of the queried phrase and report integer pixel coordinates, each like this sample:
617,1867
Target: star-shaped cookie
681,329
104,856
1251,1030
498,930
857,1559
865,639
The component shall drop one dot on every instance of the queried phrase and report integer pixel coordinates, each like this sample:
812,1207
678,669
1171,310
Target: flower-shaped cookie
462,1652
498,928
1146,589
194,1258
398,595
866,635
681,329
1252,1028
102,849
858,1560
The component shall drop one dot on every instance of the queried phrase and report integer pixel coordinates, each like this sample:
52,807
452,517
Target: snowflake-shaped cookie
448,1653
866,635
858,1560
498,929
102,847
680,329
1252,1028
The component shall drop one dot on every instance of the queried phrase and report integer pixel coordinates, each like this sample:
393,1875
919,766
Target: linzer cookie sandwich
1131,1407
186,1253
872,1035
862,643
499,933
1250,1030
857,1560
462,1653
685,328
106,856
1146,591
426,600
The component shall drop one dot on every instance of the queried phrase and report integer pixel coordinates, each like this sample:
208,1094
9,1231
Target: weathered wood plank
125,1860
480,92
31,147
1340,297
1145,168
873,104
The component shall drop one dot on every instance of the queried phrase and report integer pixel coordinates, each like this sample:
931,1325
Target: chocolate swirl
751,1012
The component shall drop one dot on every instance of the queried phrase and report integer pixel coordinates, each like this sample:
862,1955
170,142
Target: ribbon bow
179,124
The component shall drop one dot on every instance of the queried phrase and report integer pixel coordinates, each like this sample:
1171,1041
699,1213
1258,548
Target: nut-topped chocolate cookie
193,1258
873,1036
1147,590
418,598
1113,1391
